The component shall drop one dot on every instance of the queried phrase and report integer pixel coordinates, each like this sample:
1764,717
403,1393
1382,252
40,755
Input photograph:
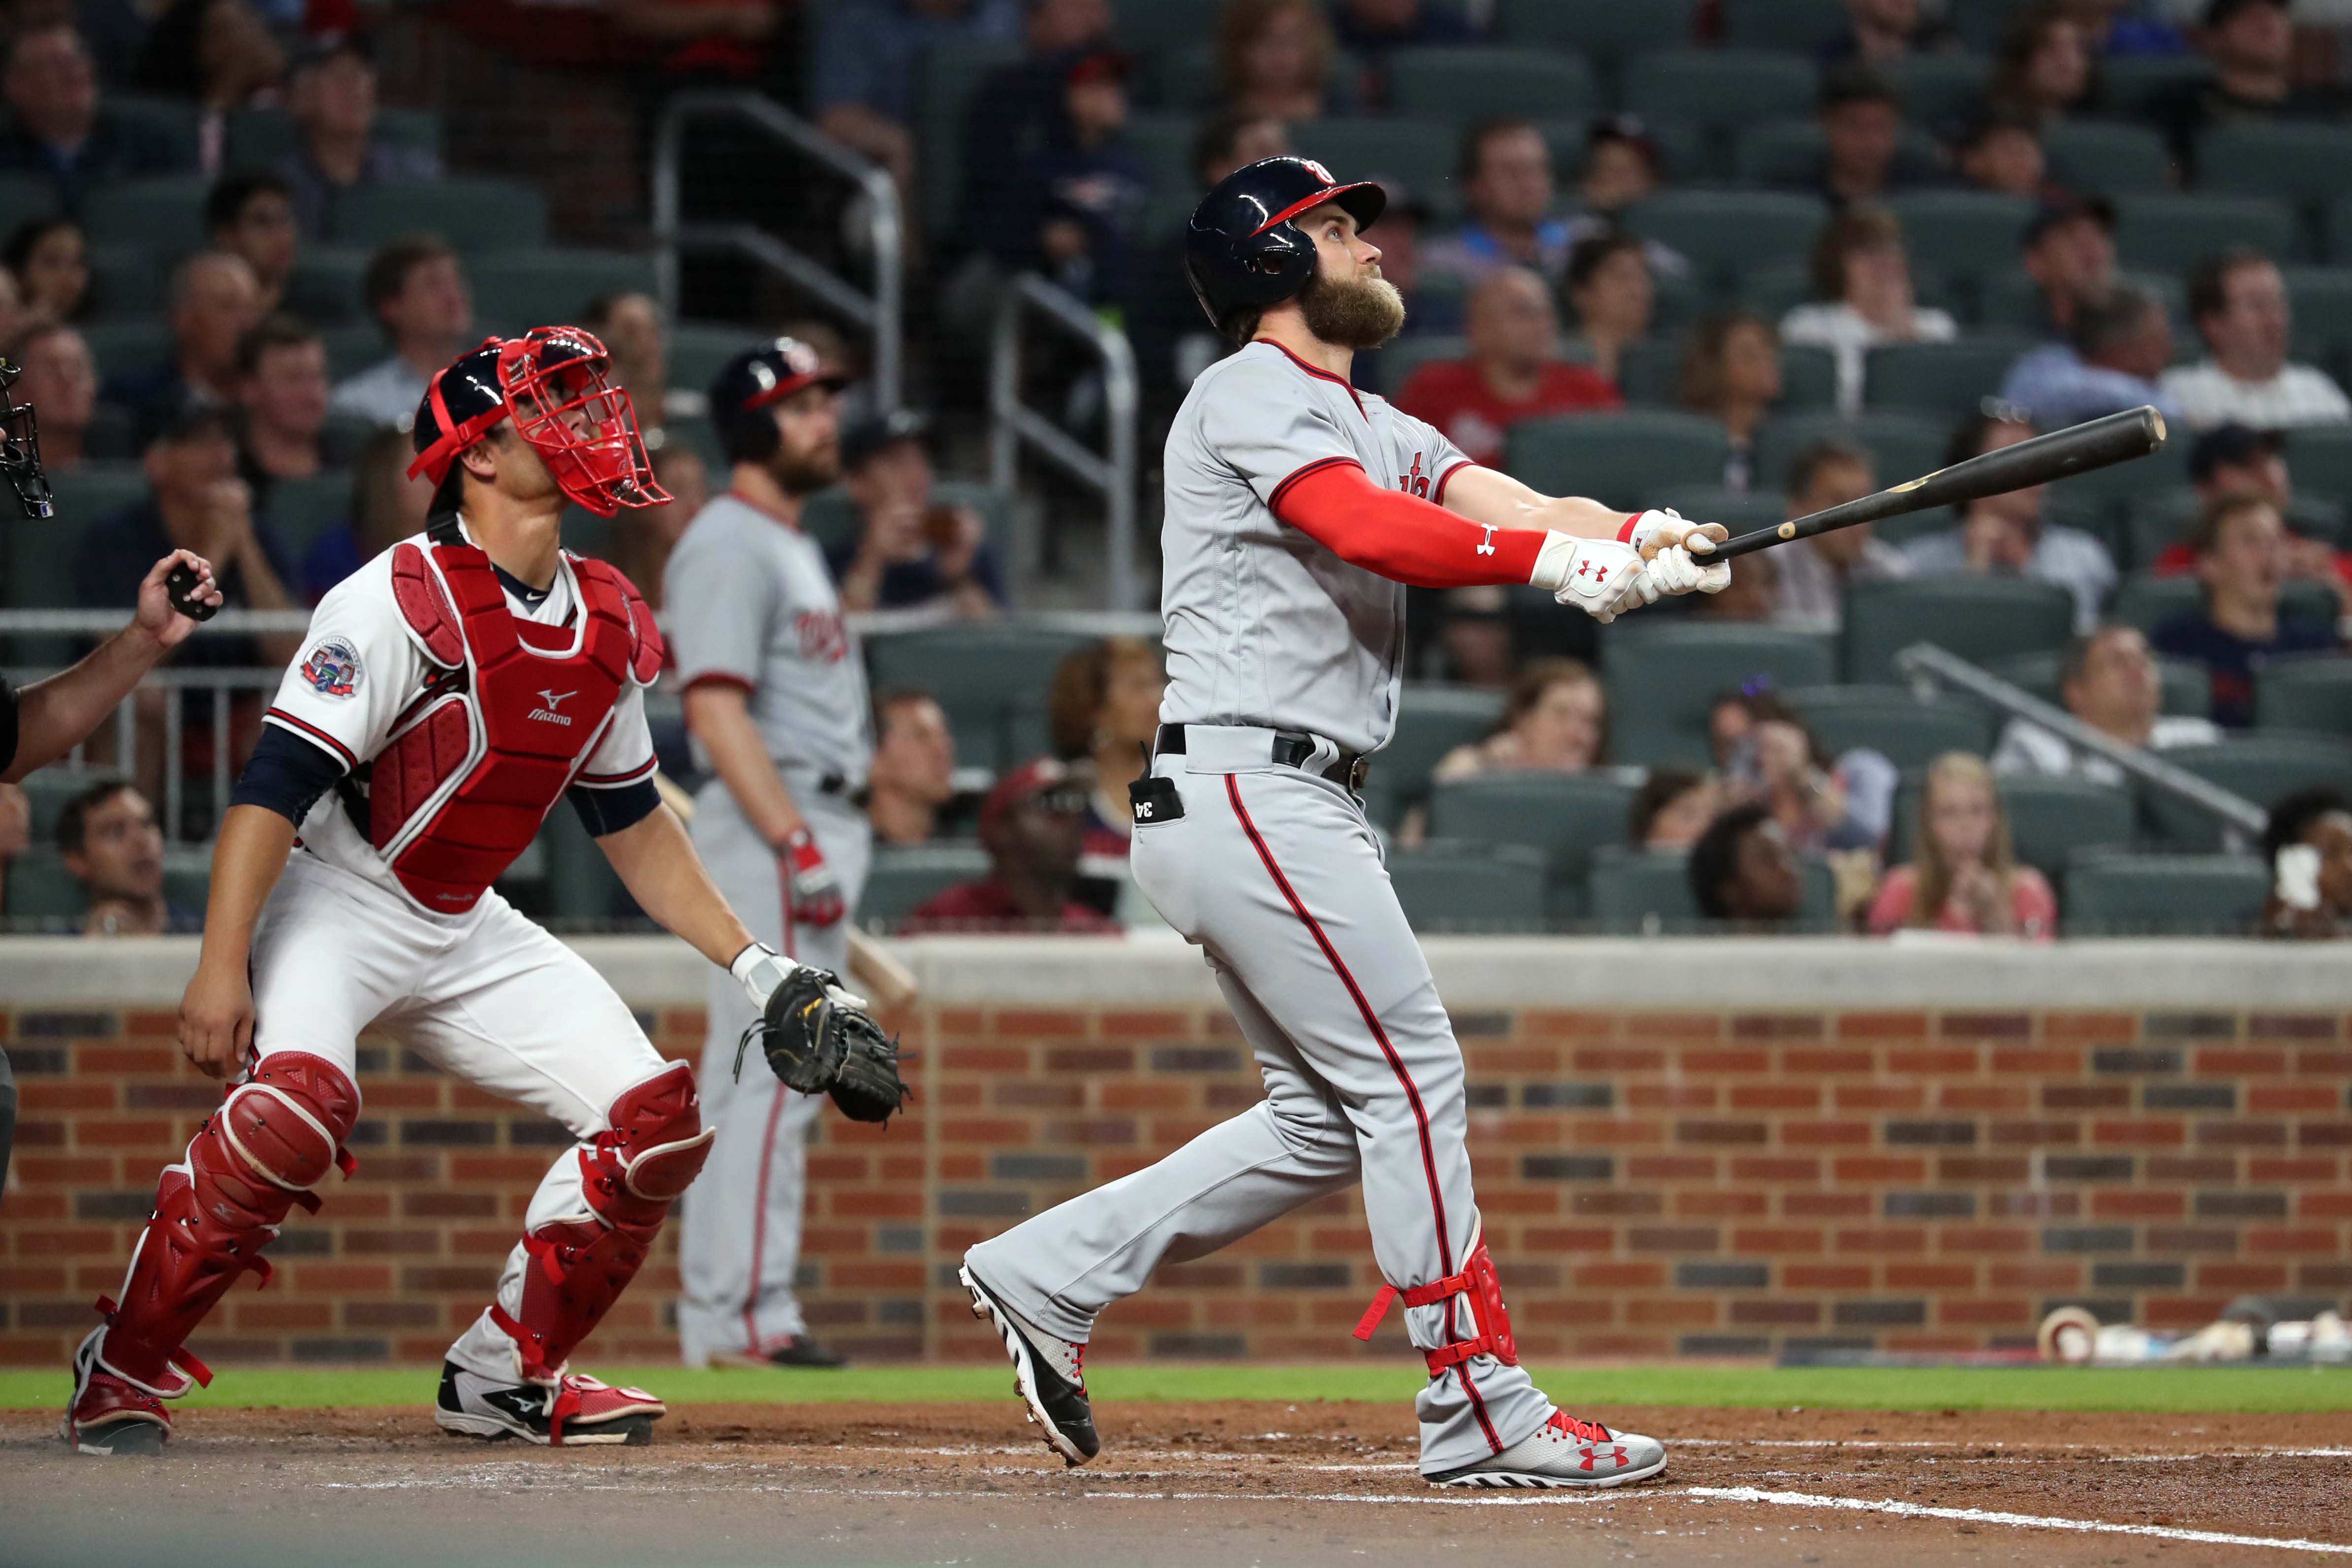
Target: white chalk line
2021,1520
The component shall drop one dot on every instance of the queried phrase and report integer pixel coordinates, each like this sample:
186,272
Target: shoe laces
1579,1431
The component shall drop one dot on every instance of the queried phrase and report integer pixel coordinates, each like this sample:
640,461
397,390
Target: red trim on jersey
1274,502
1319,374
312,733
1401,537
1438,496
721,678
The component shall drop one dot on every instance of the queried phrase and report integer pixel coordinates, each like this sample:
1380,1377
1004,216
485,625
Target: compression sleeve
287,774
614,807
1404,539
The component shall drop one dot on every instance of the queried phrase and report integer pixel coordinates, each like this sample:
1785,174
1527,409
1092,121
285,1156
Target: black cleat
580,1411
804,1352
1048,1373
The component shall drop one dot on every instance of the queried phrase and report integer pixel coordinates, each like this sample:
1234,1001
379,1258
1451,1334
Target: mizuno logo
547,715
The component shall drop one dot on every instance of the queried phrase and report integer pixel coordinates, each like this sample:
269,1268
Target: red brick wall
1652,1183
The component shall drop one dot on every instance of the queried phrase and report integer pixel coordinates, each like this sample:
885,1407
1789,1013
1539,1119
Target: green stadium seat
949,76
176,121
2313,695
24,197
259,138
1963,232
2107,157
2263,766
2165,895
2133,85
903,878
1742,511
517,290
42,893
128,344
1368,149
163,214
1909,732
2008,300
2321,460
1683,151
1945,382
2301,163
1790,153
1901,445
1664,678
353,348
2148,602
698,349
2174,233
2188,689
476,214
2049,819
187,879
2153,525
122,277
1602,30
47,790
1617,458
1145,25
87,497
1939,90
1470,888
2321,300
991,680
1565,816
325,288
1720,88
1632,889
1802,26
1390,368
407,127
301,510
1164,142
1433,719
1650,375
1463,84
1978,618
1726,233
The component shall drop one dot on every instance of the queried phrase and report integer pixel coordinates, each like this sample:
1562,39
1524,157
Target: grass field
2250,1390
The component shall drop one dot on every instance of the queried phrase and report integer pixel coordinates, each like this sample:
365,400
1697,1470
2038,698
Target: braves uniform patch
332,667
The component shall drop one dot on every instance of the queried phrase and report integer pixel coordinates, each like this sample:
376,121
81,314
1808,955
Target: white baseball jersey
1265,626
750,602
361,669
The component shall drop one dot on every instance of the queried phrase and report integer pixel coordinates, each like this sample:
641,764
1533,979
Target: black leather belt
1290,748
837,784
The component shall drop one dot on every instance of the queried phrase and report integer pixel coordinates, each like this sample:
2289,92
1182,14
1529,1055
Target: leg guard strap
1480,1288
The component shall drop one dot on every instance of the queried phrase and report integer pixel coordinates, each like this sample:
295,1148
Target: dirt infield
1195,1484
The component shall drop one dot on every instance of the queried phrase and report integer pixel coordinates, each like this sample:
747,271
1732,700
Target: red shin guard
273,1139
1480,1288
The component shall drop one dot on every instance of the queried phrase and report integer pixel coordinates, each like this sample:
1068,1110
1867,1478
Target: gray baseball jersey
750,603
1265,626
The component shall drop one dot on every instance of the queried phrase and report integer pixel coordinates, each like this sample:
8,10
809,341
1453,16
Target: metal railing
879,313
1926,665
1013,423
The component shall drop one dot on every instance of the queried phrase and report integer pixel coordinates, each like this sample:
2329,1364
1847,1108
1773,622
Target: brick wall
1712,1181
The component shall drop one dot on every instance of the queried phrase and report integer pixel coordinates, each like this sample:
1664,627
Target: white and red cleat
579,1410
110,1414
1564,1452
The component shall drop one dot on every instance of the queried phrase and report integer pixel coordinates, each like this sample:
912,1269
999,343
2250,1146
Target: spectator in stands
1767,754
912,551
1860,114
2110,681
417,292
2232,459
2004,535
1743,872
2252,45
645,536
862,82
1474,635
1731,373
59,129
2307,848
1079,194
1016,105
2001,152
1506,183
2240,549
333,100
912,776
1963,878
281,393
2070,254
252,217
1173,341
214,302
1514,371
1621,165
2115,29
49,261
1103,709
2043,70
60,381
1672,807
2238,301
1815,573
1612,293
217,54
387,506
1885,32
1033,825
107,836
1862,299
1371,30
2117,348
1556,720
1274,57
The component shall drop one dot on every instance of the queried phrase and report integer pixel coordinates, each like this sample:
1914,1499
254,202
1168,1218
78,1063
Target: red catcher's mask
556,384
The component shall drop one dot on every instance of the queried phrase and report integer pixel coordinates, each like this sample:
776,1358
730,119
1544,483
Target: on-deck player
775,700
1297,508
448,695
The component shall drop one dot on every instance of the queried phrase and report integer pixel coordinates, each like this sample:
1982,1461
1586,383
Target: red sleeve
2033,905
1401,537
1891,907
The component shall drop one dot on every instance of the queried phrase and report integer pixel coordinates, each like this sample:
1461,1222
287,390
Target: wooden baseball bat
2077,449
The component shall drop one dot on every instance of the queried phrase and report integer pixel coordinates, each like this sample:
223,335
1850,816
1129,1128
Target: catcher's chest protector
477,762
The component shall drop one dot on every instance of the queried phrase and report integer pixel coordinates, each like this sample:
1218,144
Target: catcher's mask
555,383
20,449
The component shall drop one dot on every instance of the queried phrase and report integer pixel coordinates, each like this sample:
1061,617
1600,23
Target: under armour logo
1487,545
1617,1455
1585,570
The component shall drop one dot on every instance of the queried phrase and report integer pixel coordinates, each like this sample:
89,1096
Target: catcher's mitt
818,1041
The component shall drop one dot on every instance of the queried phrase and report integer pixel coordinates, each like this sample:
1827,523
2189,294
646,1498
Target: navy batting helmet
1243,252
754,380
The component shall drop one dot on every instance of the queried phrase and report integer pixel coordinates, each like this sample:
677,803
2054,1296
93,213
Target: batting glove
1675,571
815,891
1600,576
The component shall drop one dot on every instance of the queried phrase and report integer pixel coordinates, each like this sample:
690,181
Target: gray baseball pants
741,1242
1274,872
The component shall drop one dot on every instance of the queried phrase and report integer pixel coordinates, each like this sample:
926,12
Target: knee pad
282,1130
1481,1290
655,1146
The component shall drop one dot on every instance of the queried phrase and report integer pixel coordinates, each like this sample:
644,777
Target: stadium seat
1145,26
1432,720
1963,232
2321,460
2314,695
87,497
2133,85
2174,233
1908,732
2148,602
991,680
1790,153
47,790
1726,233
1369,149
1664,678
476,215
1719,87
2049,819
1565,816
698,349
164,213
1164,142
1617,458
176,121
1633,889
301,510
1388,369
2107,157
905,876
2301,163
949,75
517,290
127,345
2188,689
2164,894
1938,90
2263,766
42,893
2114,489
1650,375
1979,618
2321,300
2008,300
24,197
1601,30
1742,511
1802,26
325,288
353,348
1901,446
1945,382
1463,84
1473,888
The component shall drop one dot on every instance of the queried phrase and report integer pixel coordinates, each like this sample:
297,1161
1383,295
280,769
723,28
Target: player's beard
808,469
1356,313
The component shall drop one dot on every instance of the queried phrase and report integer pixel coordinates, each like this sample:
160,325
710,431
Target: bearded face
1360,313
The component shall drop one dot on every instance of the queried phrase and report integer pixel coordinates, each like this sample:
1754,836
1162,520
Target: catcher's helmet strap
435,461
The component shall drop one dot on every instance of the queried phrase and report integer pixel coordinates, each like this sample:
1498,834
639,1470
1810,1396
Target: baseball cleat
577,1411
1049,1374
110,1415
795,1351
1564,1452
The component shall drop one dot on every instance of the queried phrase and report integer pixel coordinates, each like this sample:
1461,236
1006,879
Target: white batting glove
1674,570
1600,576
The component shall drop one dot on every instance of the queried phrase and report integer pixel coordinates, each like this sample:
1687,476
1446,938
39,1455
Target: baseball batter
448,695
1297,510
775,698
